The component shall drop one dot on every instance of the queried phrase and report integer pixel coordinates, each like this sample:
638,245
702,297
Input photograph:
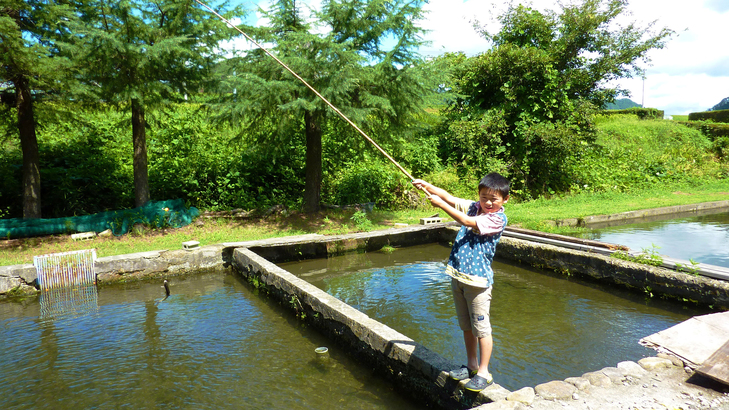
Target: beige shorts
472,307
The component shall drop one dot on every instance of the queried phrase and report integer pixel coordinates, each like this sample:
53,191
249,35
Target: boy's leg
472,343
481,336
486,345
473,306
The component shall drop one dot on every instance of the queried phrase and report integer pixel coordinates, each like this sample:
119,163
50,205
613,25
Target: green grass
680,117
531,215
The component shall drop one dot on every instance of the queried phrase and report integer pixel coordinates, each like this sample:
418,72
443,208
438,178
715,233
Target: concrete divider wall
656,280
670,212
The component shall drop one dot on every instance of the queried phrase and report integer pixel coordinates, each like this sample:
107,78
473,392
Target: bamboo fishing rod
298,77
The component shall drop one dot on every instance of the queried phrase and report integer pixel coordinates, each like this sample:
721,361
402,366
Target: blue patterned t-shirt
472,252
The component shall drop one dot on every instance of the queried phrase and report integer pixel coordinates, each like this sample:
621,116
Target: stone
494,393
580,382
8,283
632,369
598,379
501,405
105,233
675,360
555,390
654,363
525,395
615,374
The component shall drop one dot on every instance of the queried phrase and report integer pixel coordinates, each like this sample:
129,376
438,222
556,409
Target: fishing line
344,117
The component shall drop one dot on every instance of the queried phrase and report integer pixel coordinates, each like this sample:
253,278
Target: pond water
212,344
545,327
702,238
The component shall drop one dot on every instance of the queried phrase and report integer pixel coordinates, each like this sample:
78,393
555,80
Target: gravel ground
653,384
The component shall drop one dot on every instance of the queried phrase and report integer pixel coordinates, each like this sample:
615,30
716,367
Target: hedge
642,113
715,116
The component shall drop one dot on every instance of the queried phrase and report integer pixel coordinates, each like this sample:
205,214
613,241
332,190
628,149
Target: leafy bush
82,171
720,147
371,181
448,179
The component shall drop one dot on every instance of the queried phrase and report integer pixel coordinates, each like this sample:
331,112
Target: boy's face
491,201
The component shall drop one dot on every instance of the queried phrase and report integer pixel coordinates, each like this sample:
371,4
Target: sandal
478,383
462,374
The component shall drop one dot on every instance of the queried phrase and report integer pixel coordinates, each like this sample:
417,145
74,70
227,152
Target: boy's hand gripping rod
344,117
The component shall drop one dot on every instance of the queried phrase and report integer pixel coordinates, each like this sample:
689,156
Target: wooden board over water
701,342
717,366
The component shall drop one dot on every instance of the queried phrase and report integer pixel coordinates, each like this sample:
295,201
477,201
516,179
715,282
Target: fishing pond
545,326
702,238
213,344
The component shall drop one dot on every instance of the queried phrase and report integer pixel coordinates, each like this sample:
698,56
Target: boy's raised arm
445,201
434,190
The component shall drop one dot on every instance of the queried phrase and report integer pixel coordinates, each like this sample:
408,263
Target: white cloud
691,73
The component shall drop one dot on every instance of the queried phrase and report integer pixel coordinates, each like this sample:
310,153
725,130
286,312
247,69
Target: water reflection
68,302
701,238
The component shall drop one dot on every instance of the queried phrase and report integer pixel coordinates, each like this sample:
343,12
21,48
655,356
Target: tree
141,53
527,101
30,31
339,51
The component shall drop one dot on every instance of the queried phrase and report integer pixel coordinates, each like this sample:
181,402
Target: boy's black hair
495,182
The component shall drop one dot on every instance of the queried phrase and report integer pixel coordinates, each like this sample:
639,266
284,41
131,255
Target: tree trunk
29,145
139,138
312,187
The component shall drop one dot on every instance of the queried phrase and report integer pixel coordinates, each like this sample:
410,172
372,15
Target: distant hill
723,105
621,104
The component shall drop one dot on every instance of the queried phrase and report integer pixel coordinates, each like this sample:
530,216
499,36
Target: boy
469,267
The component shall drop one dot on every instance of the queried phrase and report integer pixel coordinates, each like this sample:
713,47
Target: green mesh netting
159,214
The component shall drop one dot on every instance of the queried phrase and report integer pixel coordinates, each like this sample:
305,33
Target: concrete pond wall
408,365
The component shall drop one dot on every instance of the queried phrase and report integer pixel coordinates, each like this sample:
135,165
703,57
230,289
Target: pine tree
340,51
139,54
30,33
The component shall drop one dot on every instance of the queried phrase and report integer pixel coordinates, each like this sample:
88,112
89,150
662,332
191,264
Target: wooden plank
564,238
693,340
717,365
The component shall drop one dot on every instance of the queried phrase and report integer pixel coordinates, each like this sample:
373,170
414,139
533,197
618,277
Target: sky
690,74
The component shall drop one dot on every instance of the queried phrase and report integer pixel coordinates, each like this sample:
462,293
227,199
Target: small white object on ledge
189,245
83,236
431,220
